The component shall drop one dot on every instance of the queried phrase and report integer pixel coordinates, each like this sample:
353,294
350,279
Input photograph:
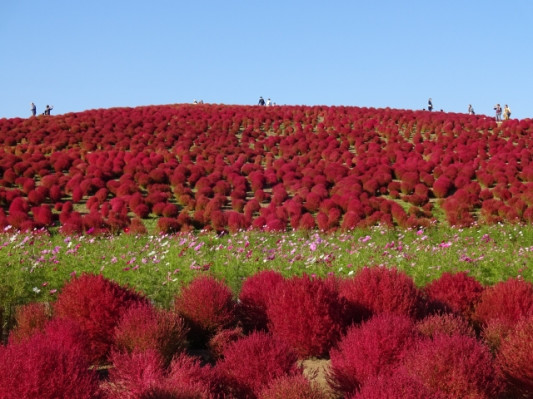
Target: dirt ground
315,370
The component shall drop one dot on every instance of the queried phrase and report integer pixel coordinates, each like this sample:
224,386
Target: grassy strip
35,266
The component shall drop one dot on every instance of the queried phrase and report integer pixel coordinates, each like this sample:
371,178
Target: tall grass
34,267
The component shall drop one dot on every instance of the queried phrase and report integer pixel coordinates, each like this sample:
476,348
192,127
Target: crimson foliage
207,306
307,313
96,304
373,348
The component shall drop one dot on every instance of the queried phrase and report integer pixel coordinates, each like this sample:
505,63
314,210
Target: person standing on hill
498,110
471,110
33,109
48,109
430,105
506,112
261,101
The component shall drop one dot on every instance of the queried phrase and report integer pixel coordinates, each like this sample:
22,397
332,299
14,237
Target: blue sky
79,55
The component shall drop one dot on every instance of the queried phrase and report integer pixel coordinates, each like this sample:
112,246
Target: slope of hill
223,167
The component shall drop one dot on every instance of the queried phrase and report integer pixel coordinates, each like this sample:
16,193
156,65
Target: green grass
34,267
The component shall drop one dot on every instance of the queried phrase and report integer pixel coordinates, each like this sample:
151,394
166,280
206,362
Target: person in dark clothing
261,101
48,109
471,110
430,105
498,111
33,109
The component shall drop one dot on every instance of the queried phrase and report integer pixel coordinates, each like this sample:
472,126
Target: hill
226,167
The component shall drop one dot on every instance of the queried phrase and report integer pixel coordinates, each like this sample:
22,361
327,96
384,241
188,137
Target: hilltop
227,167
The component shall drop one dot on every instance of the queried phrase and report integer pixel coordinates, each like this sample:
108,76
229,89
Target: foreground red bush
251,363
376,347
446,323
143,327
51,364
457,365
515,358
142,375
207,306
506,302
375,290
455,292
399,385
293,387
29,319
254,295
307,314
96,305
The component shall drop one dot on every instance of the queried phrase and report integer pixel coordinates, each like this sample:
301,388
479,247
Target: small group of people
197,101
262,102
506,112
47,110
497,109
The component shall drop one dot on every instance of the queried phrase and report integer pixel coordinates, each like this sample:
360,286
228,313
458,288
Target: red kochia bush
456,292
375,290
375,347
446,323
307,314
506,302
143,327
207,306
29,318
293,387
399,385
51,364
515,358
255,293
142,375
251,363
138,375
96,304
442,186
458,366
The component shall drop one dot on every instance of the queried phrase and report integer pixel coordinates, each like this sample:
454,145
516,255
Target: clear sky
78,55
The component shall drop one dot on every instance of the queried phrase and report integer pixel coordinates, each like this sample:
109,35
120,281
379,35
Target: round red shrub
29,319
50,364
171,211
375,290
137,227
96,304
456,365
307,313
207,305
455,292
249,364
442,186
256,290
370,349
168,225
17,219
19,204
142,211
143,327
133,374
142,375
293,387
506,301
307,222
399,385
42,215
446,323
515,358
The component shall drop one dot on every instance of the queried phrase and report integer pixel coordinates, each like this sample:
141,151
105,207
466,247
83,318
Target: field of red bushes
224,167
379,335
